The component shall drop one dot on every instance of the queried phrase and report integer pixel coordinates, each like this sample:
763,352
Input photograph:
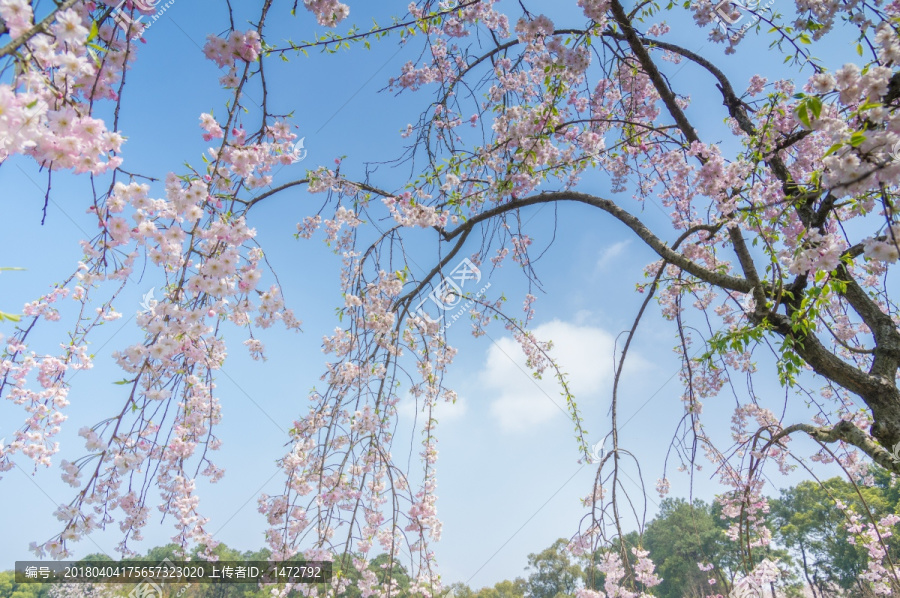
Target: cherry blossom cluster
44,405
872,536
408,212
243,48
614,571
80,590
212,271
763,575
238,46
353,467
46,111
328,12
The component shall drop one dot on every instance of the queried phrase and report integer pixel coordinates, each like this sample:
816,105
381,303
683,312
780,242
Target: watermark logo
895,453
449,294
597,452
895,152
130,22
148,302
728,13
146,589
299,151
746,588
149,588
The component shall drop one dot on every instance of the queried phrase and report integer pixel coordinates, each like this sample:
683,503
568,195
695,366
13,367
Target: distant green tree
99,557
398,574
591,576
10,589
386,572
553,573
811,526
682,536
160,553
263,554
505,589
502,589
459,590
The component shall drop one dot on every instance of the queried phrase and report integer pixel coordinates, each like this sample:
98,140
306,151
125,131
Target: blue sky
509,477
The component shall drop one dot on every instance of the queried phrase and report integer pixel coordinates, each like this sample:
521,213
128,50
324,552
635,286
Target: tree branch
38,28
718,279
875,390
850,434
747,265
637,47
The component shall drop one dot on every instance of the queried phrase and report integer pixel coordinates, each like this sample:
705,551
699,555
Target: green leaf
815,106
94,31
833,149
803,115
857,138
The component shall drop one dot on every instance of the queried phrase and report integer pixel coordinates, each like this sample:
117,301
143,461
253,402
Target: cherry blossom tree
781,246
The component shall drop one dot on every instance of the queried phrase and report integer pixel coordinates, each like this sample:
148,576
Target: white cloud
584,353
609,254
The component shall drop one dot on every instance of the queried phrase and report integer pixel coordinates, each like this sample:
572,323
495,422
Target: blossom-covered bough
784,246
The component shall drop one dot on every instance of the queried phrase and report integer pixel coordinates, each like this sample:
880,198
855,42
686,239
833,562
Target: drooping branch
250,203
747,265
376,32
736,108
725,281
662,88
405,299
